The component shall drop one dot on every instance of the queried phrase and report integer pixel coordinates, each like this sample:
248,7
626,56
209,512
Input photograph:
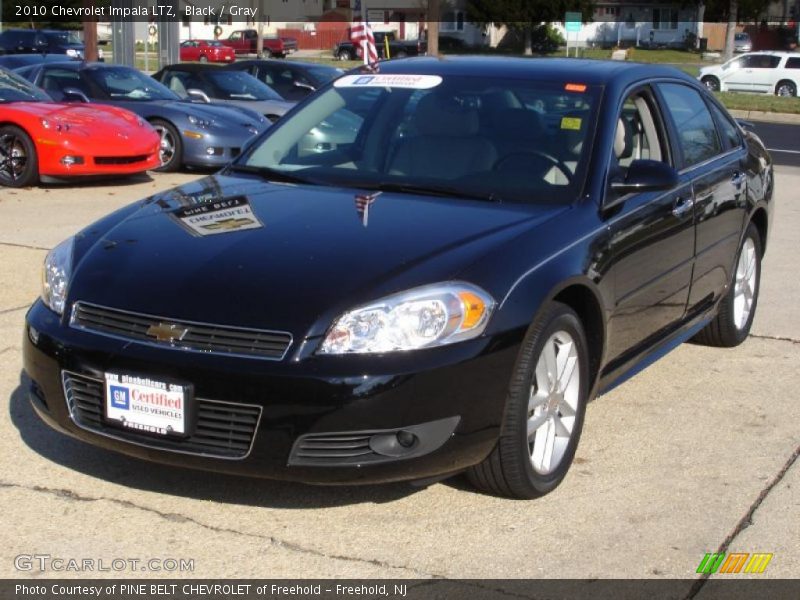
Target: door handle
683,206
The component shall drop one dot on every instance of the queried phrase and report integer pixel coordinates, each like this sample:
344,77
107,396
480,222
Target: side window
636,136
729,132
761,61
55,81
697,134
793,63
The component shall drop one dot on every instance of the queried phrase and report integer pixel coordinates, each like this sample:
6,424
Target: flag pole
365,41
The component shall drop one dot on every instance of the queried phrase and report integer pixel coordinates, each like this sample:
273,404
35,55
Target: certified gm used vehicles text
497,242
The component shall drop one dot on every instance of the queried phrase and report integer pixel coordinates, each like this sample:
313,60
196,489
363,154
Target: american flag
361,32
363,202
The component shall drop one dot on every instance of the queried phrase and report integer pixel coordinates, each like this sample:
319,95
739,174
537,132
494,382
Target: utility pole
433,27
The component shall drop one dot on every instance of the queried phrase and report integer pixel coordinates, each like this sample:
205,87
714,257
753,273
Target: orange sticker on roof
575,87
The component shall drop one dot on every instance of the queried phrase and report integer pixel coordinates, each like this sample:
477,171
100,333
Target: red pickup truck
244,41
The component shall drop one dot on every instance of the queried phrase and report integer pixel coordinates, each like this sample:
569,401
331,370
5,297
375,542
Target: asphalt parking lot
692,454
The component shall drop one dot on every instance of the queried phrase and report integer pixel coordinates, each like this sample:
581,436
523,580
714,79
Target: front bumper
451,399
225,147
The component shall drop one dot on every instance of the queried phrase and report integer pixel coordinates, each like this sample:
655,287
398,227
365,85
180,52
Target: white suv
764,72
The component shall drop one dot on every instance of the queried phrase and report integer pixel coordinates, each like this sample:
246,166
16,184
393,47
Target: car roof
588,71
192,67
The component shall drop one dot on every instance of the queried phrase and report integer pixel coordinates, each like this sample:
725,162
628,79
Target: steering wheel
538,154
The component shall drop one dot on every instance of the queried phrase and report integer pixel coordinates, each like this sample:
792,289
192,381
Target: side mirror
74,95
198,95
646,176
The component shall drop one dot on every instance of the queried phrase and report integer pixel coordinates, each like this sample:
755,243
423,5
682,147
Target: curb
769,117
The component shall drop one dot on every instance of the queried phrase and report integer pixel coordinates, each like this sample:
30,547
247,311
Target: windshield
124,83
238,85
322,75
14,88
497,139
64,37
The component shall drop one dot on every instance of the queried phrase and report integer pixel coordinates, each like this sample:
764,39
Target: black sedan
292,79
497,242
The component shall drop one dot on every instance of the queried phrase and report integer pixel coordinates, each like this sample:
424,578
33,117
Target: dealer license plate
146,405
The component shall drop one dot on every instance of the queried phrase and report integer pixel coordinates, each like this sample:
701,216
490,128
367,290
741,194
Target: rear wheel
19,165
544,410
785,88
712,83
734,318
344,54
170,150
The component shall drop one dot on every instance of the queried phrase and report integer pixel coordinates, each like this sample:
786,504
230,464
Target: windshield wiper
429,190
271,174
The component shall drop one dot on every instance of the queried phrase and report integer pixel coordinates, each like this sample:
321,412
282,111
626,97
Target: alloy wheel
553,402
13,157
744,290
166,149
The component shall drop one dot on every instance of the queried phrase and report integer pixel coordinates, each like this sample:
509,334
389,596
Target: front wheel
203,58
19,165
544,410
712,83
734,318
785,88
170,151
344,55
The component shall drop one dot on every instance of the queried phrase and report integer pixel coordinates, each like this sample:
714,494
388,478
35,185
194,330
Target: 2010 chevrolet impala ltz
478,248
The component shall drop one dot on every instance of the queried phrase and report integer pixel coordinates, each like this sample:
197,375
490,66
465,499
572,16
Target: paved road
783,141
672,464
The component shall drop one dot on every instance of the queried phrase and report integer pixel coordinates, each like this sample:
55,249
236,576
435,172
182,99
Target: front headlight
428,316
72,52
199,122
56,276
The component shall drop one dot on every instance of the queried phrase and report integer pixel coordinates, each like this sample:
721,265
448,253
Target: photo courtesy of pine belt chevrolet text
426,267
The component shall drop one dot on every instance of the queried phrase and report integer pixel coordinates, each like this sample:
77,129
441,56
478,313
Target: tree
525,15
434,15
730,30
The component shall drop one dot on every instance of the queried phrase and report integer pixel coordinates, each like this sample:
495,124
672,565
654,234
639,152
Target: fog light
69,160
214,151
406,439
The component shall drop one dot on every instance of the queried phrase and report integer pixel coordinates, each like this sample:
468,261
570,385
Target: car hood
87,118
239,251
264,107
218,114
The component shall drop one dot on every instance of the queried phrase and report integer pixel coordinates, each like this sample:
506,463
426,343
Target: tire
19,164
345,55
731,325
786,88
516,467
171,160
712,83
203,58
266,53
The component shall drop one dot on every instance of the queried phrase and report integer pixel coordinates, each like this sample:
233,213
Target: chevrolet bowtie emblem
228,224
167,332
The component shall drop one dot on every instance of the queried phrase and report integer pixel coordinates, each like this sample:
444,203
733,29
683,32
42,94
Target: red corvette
42,139
206,51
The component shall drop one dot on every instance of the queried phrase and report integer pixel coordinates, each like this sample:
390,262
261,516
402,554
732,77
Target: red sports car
206,51
42,139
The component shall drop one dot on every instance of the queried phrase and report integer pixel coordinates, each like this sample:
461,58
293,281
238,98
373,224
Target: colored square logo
119,397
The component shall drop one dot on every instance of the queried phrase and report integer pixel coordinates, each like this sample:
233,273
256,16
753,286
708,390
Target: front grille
196,337
221,430
119,160
334,447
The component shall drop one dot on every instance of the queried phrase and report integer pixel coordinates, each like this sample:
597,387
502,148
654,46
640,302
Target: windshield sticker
224,216
414,82
573,123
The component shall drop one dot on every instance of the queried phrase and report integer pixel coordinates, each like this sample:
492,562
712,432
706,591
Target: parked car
742,42
346,50
245,41
289,45
197,135
293,80
212,84
40,139
760,72
502,240
206,51
42,41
